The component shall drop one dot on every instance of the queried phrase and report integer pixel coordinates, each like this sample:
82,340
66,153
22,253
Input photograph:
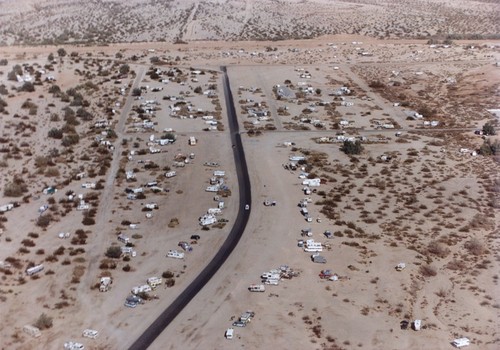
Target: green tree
114,252
124,69
16,70
43,322
61,52
489,129
352,147
490,149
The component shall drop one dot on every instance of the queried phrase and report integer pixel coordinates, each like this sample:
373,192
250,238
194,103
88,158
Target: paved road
169,314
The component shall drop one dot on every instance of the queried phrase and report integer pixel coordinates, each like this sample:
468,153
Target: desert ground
87,120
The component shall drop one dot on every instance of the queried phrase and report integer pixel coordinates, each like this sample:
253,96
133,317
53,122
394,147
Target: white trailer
73,346
229,333
272,281
145,288
312,246
192,141
460,342
219,173
105,284
32,330
6,207
270,275
170,174
214,211
175,254
90,333
311,182
34,270
207,219
155,281
257,288
122,238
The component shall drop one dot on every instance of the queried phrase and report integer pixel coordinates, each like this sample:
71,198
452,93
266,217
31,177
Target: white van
229,333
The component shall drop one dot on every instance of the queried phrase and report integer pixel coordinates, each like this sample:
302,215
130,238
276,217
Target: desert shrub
28,87
71,139
23,250
428,271
87,221
114,252
54,89
44,220
438,249
55,133
52,172
59,251
28,243
126,268
43,322
84,114
475,247
170,282
376,84
456,265
61,305
167,274
16,188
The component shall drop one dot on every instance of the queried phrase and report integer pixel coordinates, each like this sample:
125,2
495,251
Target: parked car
239,324
195,237
186,246
328,234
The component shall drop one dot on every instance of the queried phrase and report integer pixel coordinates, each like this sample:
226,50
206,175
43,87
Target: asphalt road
169,314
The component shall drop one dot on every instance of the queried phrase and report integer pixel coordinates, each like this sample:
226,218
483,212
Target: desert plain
421,187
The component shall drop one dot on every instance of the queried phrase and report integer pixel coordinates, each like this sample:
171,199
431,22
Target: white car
247,207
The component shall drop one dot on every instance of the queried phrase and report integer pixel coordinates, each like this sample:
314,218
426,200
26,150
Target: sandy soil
429,206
